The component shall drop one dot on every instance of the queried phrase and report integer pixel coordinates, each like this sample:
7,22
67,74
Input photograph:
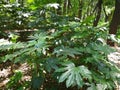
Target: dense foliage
64,51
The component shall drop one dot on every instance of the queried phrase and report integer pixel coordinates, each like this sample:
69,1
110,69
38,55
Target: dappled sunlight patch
115,58
5,72
3,83
5,42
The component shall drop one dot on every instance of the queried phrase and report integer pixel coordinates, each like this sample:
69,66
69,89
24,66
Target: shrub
65,51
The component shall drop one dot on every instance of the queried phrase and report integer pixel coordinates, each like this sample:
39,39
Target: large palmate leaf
51,63
74,75
102,48
38,40
37,82
97,87
66,51
18,45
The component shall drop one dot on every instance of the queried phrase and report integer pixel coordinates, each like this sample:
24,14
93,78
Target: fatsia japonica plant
66,51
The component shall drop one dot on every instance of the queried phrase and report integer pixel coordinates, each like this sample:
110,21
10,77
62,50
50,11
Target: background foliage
66,49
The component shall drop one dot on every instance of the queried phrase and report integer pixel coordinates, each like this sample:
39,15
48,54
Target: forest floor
6,73
115,58
5,69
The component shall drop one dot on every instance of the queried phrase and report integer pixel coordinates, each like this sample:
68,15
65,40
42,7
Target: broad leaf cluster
64,50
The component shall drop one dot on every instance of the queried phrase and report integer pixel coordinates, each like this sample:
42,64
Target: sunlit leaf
74,75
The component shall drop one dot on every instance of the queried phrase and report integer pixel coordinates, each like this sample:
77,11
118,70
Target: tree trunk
115,21
59,10
80,9
106,16
98,8
66,7
21,2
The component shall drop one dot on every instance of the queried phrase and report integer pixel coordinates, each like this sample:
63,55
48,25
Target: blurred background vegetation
65,43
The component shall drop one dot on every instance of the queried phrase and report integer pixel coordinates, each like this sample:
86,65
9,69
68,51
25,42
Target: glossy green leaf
74,75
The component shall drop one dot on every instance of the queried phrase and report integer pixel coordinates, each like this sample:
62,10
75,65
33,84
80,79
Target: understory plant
64,51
